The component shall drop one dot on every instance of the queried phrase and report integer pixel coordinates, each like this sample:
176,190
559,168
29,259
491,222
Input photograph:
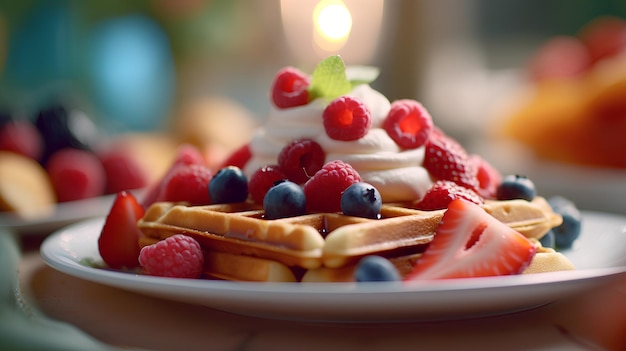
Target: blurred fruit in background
574,110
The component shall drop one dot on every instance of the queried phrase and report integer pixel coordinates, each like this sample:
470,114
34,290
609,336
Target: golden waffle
313,241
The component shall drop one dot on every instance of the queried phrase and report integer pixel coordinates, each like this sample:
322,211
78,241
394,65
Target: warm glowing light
315,29
332,20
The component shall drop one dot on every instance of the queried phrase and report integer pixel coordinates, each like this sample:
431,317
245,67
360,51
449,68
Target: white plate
599,256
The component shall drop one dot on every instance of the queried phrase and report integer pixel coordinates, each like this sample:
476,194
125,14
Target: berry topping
547,240
516,187
289,88
178,256
285,199
471,243
567,232
443,192
445,159
262,180
239,158
346,118
229,185
408,123
300,159
187,154
323,191
76,174
488,177
187,183
123,172
376,269
21,137
361,200
118,243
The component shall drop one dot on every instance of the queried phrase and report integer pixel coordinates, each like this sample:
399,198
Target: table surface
50,310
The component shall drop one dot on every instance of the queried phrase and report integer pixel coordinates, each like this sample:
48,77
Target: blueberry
228,185
516,187
361,200
376,269
548,240
284,199
566,233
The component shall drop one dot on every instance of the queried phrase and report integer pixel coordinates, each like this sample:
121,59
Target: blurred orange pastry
574,110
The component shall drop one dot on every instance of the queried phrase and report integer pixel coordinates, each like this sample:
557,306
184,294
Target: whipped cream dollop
396,173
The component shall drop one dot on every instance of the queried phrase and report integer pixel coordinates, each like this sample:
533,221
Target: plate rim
353,293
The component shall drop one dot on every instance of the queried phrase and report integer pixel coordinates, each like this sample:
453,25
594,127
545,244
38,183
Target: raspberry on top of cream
396,172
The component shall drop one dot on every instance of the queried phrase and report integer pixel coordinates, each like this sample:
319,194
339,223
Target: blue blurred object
131,73
42,47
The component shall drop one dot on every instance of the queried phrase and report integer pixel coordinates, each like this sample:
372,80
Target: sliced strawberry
118,243
471,243
443,192
445,159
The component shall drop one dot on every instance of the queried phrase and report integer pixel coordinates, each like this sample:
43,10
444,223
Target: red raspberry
323,191
23,138
178,256
262,180
76,174
123,172
408,123
443,192
187,183
488,177
239,158
300,159
346,118
445,159
187,154
289,88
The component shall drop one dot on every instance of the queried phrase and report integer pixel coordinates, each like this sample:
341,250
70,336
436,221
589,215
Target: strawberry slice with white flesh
471,243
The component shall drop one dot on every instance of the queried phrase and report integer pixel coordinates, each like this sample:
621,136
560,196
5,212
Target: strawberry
471,243
443,192
488,177
118,243
238,158
445,159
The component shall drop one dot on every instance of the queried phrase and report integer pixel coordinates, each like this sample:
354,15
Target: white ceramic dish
603,240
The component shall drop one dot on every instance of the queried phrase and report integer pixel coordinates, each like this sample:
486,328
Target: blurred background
143,66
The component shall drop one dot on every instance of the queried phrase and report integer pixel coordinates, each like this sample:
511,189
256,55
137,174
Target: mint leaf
329,79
